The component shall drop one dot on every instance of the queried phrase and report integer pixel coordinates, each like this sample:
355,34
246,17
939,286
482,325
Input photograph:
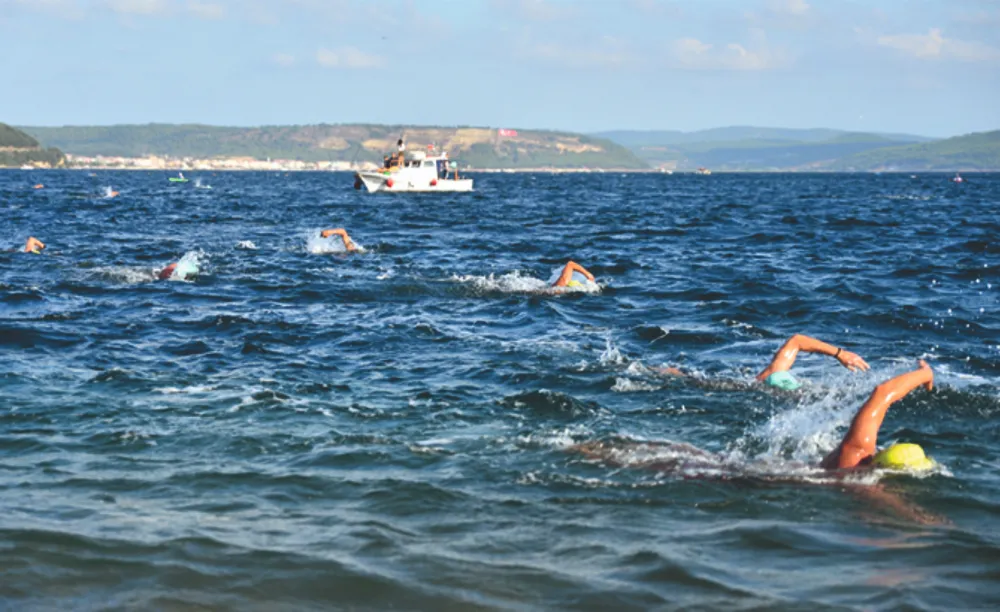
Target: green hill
746,148
476,147
18,149
980,151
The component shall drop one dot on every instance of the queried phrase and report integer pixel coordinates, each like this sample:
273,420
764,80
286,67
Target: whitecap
515,282
628,385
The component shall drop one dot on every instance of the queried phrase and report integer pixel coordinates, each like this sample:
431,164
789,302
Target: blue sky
917,66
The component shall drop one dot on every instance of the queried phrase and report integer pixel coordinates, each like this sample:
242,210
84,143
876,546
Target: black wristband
837,355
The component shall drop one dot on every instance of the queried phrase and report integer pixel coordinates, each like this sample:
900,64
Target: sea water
299,427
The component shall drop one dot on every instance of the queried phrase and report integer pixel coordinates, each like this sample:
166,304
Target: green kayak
178,180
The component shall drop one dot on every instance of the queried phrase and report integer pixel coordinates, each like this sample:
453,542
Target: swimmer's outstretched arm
859,443
567,274
785,357
348,243
167,272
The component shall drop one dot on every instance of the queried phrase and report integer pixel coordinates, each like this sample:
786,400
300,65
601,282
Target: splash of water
189,265
317,245
515,282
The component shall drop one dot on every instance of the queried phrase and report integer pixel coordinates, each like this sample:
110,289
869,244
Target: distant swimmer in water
573,275
348,243
183,270
167,272
34,245
777,374
856,451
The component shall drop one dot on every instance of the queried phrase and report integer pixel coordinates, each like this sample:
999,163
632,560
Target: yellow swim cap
903,457
574,283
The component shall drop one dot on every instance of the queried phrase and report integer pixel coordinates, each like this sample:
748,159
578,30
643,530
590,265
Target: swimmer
857,449
566,278
348,243
777,374
167,272
39,186
34,245
184,270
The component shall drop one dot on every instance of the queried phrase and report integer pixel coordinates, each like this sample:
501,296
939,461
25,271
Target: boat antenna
354,158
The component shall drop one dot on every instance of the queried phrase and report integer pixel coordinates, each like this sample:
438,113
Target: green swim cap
783,380
903,457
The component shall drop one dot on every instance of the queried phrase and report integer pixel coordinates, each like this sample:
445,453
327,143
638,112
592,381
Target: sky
927,67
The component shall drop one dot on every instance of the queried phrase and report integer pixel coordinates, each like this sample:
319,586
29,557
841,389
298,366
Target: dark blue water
299,428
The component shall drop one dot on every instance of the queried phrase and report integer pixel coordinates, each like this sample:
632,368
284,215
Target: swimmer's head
903,457
783,380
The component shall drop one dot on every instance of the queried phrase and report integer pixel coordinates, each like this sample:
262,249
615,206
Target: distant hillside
18,149
476,147
752,148
980,151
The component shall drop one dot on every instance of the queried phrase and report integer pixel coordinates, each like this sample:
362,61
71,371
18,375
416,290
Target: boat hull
402,182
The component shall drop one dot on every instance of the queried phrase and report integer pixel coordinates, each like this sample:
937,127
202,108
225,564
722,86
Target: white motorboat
408,171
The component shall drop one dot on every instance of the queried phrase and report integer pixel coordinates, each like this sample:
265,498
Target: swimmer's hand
929,385
852,361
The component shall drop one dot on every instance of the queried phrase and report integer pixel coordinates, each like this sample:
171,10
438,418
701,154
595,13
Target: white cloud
67,9
691,47
657,7
586,52
693,54
283,59
797,8
137,7
934,45
206,10
609,54
348,57
531,10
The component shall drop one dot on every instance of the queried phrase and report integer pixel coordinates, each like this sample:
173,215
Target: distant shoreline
500,170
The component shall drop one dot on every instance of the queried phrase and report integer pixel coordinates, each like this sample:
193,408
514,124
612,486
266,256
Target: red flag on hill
508,133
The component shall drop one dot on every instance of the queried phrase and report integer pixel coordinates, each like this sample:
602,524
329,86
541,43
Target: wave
129,275
544,401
